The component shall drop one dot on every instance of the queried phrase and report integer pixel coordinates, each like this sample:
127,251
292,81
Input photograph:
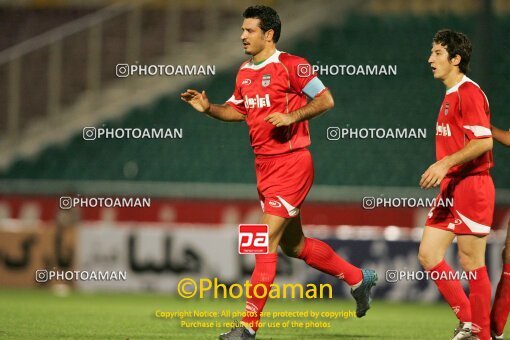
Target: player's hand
434,175
197,100
279,119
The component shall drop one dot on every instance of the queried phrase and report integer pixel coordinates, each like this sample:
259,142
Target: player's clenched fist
196,99
279,119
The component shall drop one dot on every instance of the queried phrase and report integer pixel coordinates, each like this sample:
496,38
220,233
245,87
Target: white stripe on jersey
479,131
463,80
234,100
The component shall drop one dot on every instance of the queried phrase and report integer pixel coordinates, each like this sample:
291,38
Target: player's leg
472,260
317,254
474,209
433,246
501,306
293,238
321,256
263,274
282,183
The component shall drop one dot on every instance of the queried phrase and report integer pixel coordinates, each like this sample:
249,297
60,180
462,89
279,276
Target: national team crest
446,107
266,80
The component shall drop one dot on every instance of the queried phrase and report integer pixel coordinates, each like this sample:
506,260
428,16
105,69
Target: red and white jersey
464,115
275,85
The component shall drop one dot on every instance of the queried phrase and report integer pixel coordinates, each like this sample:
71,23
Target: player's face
253,37
440,62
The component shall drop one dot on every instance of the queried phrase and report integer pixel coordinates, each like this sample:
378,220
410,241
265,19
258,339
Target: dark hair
269,19
455,43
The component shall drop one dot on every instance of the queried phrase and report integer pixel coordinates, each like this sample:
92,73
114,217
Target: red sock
501,307
480,299
263,274
453,293
319,255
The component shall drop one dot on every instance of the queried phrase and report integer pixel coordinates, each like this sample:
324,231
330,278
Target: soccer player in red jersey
501,306
464,157
270,95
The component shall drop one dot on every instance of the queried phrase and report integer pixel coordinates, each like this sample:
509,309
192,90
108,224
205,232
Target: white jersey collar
274,58
455,88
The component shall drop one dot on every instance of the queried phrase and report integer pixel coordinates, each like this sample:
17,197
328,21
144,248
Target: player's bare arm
501,136
200,102
433,176
315,107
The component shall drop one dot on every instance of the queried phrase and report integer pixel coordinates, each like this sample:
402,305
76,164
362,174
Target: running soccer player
464,157
501,306
270,95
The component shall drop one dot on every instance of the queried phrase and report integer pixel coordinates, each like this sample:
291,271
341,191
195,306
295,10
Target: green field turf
39,314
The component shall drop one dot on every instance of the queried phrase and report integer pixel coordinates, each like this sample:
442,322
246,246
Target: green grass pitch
40,314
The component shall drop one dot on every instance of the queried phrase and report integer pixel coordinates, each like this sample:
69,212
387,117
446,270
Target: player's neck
453,80
264,54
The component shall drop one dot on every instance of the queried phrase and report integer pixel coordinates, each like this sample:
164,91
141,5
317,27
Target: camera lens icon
391,276
122,70
41,275
66,203
89,133
333,133
368,203
304,70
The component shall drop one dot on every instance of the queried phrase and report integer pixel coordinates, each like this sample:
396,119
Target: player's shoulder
291,59
469,87
470,92
466,88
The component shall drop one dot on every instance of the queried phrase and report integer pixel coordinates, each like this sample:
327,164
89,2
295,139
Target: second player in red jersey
464,157
464,116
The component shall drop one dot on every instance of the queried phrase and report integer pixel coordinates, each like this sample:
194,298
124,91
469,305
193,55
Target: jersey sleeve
303,78
237,101
475,117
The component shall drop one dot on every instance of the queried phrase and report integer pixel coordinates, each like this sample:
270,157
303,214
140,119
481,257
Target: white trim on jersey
464,80
474,226
235,101
274,58
479,131
455,88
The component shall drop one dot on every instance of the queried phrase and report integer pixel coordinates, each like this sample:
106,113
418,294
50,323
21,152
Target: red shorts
472,209
283,181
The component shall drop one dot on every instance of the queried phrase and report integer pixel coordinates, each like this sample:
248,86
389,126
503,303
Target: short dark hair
455,43
269,19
